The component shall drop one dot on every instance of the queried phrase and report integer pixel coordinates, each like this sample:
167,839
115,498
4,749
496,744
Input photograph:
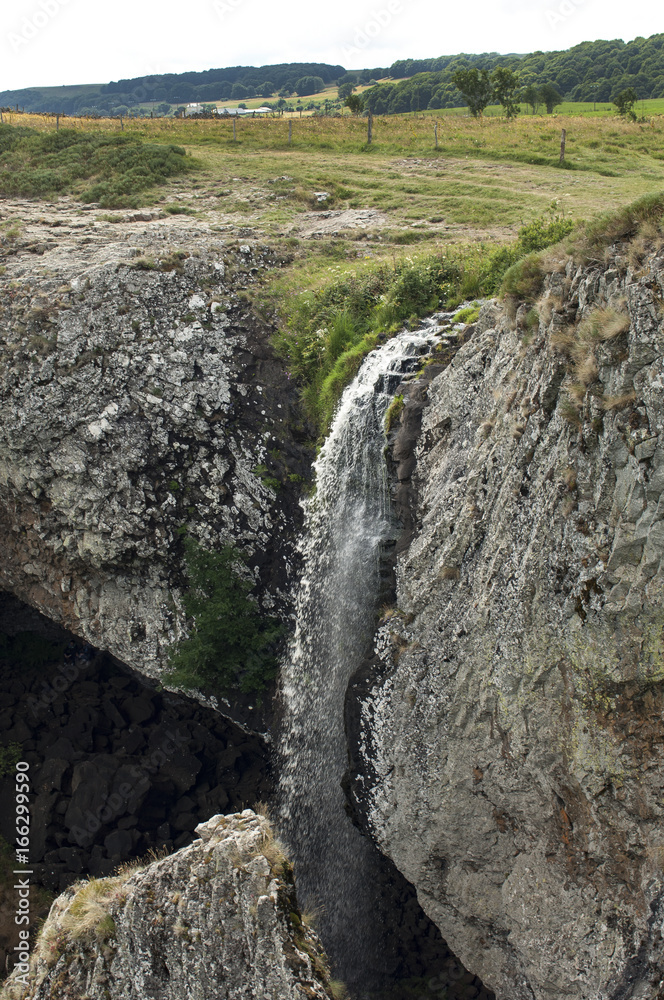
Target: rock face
219,918
118,766
139,399
510,751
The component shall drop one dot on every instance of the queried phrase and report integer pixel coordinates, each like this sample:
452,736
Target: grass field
340,211
485,179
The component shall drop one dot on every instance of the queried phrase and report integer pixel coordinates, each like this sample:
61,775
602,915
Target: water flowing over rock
348,520
218,919
509,757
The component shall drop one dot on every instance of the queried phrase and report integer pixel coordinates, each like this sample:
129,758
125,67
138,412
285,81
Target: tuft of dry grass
88,915
449,573
569,478
609,323
619,402
563,340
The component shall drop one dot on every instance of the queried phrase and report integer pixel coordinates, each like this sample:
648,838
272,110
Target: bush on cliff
231,646
120,168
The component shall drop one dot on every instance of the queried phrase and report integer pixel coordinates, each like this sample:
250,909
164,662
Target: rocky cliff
510,751
139,399
219,918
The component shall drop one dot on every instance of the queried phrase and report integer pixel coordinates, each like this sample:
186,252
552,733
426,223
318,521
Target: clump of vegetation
394,411
327,333
232,646
578,345
113,169
523,280
470,314
9,758
613,226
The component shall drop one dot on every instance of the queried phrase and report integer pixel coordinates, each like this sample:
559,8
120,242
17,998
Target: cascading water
347,523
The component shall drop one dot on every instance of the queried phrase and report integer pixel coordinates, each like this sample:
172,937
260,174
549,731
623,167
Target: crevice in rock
119,766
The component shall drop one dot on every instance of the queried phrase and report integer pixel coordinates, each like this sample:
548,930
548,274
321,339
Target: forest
591,71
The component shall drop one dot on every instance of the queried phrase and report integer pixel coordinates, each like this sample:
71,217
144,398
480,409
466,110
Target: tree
307,85
475,87
505,84
550,96
345,90
531,96
625,101
355,103
238,92
267,89
231,644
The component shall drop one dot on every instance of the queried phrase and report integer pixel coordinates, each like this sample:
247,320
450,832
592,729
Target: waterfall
347,522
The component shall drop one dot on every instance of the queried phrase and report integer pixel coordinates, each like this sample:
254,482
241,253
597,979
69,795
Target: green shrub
524,279
232,646
120,168
394,411
468,315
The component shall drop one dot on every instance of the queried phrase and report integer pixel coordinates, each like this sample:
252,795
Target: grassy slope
485,180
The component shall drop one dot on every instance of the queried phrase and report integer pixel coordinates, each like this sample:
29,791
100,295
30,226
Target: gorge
502,732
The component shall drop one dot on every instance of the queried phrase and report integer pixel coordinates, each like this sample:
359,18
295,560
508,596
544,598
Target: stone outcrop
219,918
139,400
510,751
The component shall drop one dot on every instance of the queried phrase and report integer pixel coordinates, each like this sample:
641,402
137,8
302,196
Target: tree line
591,71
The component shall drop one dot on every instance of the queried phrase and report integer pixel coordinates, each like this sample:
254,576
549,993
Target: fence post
290,131
369,129
57,123
234,124
563,135
121,124
435,133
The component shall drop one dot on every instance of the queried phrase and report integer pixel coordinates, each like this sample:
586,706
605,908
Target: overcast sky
55,42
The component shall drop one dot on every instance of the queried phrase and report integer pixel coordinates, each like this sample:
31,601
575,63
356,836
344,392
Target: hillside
591,71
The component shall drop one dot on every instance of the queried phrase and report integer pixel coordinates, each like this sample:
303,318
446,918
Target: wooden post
563,135
234,124
121,124
435,133
290,131
57,123
369,129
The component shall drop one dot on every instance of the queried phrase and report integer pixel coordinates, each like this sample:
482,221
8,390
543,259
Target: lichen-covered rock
510,754
217,919
139,399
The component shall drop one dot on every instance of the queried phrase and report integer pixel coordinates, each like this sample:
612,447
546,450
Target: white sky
55,42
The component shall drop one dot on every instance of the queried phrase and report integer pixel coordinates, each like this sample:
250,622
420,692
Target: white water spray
347,522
